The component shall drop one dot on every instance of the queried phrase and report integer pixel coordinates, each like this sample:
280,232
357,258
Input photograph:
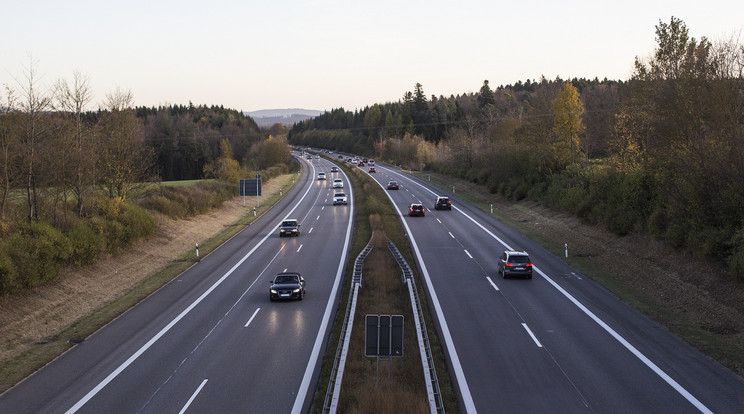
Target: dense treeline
76,183
186,138
661,153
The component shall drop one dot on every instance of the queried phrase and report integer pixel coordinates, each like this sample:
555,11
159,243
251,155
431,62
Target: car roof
516,253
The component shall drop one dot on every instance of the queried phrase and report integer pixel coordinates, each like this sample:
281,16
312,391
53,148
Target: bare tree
8,138
34,106
123,159
73,99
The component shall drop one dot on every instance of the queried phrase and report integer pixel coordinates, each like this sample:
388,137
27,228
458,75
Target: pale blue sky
321,55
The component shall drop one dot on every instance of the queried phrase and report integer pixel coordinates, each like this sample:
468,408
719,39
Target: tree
73,100
567,125
485,97
123,159
8,142
225,168
34,129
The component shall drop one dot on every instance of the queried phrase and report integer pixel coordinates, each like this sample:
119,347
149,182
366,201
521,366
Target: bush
8,272
86,244
38,252
136,223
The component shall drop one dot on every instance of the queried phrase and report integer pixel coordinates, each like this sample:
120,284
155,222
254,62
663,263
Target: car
321,176
371,162
340,198
515,263
334,169
443,203
416,210
287,286
372,170
361,164
309,157
289,227
392,185
338,183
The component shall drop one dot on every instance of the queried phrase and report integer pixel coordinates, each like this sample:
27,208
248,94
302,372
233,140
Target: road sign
250,187
383,335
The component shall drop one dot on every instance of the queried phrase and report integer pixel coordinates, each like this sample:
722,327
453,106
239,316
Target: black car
289,227
416,210
392,185
288,285
513,263
443,203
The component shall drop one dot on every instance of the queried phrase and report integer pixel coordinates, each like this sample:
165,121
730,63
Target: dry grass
39,324
383,292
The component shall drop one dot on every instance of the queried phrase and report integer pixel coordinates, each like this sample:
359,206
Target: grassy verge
692,299
14,370
382,293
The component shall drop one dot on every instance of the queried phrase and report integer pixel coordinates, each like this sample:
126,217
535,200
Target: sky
323,55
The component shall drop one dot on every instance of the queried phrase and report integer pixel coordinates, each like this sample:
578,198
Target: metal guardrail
330,404
430,374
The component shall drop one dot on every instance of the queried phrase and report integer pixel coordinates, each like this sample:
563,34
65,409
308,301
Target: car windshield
289,223
286,279
340,195
519,259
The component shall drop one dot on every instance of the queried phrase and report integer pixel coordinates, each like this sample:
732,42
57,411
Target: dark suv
443,203
288,285
514,263
416,210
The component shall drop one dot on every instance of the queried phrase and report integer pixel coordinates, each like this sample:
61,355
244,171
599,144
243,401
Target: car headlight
273,291
296,290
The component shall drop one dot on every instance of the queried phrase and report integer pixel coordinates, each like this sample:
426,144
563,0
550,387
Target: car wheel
302,295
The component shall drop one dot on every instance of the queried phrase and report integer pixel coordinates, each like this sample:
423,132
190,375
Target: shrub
86,244
8,272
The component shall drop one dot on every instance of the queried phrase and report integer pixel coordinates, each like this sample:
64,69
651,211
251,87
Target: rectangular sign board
383,335
250,187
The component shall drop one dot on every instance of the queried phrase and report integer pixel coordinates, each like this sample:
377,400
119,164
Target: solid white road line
468,253
663,375
175,320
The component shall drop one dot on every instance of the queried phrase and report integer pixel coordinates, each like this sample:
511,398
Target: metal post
491,208
566,247
197,249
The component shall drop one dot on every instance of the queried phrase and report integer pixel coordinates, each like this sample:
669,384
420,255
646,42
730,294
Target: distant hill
269,117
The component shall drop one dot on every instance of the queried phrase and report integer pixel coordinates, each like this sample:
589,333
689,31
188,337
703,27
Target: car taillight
529,265
509,265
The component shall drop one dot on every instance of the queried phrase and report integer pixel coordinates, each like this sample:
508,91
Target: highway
211,340
558,342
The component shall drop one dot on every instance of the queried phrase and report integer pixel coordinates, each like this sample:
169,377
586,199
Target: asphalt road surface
211,340
556,343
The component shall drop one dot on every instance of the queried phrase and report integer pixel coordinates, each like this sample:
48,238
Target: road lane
154,357
583,365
